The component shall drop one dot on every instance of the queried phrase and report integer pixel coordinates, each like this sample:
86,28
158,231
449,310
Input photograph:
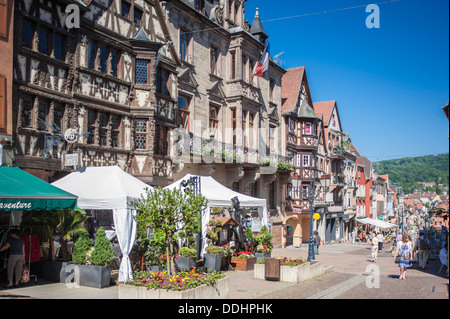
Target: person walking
405,251
380,242
316,242
16,258
421,247
374,248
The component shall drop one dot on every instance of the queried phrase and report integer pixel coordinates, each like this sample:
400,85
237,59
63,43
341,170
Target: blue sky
389,83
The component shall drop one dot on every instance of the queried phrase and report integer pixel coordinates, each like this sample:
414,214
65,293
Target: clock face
71,135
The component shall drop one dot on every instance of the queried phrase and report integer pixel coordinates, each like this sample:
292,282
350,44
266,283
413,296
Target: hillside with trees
407,171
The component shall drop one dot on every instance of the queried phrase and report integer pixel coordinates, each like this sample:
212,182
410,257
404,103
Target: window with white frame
305,161
308,128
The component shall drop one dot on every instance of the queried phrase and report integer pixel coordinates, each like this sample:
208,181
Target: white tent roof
220,195
375,222
107,187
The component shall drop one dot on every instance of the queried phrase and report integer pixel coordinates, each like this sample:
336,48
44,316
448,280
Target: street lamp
401,201
325,183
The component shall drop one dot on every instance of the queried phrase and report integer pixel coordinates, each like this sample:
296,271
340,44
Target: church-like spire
257,29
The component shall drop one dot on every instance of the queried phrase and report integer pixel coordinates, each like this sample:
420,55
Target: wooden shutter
3,19
2,101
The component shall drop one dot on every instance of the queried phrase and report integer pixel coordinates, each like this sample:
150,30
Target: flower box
294,274
243,264
219,290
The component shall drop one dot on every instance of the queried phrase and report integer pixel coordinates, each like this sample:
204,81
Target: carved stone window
92,118
161,140
43,44
43,111
103,121
183,111
58,116
58,47
115,131
26,113
27,34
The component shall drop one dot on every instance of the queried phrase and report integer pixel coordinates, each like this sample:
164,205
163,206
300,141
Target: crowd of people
406,248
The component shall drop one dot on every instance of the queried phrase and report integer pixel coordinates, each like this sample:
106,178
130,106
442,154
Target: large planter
93,276
243,264
219,290
213,261
294,274
185,263
55,270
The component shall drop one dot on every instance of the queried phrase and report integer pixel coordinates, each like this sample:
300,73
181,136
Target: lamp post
401,201
325,183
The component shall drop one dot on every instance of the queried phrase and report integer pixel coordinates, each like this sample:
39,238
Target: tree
103,253
71,223
169,211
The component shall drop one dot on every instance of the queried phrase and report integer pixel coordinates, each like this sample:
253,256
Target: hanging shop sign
71,160
316,216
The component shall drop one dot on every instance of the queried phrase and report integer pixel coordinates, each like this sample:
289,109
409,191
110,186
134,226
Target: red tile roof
290,88
324,108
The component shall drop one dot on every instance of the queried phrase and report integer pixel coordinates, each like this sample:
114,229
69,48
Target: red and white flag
263,63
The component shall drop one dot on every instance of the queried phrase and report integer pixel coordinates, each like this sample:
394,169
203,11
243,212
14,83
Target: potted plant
94,267
264,243
243,260
186,259
213,258
154,254
226,252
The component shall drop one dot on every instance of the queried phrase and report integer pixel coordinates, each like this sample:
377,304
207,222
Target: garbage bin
272,269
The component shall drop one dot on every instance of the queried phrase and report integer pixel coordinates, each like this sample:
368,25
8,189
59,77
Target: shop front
333,226
23,197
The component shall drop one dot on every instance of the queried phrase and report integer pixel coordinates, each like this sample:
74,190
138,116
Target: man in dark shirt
16,258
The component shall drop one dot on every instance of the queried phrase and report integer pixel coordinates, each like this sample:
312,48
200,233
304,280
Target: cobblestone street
347,267
346,278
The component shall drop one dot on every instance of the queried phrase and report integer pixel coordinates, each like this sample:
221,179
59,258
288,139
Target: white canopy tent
375,222
219,195
109,187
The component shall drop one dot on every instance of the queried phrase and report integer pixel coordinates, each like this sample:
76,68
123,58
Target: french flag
263,63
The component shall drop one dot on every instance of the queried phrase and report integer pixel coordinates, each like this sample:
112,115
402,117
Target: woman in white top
404,250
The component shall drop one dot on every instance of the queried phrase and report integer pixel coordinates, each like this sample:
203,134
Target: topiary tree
169,210
81,248
103,253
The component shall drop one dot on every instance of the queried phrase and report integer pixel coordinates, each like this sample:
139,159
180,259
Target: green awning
20,190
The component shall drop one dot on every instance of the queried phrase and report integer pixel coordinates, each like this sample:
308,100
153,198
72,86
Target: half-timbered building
303,135
88,86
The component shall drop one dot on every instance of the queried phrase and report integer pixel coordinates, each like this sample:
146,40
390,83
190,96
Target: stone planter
213,261
185,263
219,290
92,276
294,274
243,264
55,270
